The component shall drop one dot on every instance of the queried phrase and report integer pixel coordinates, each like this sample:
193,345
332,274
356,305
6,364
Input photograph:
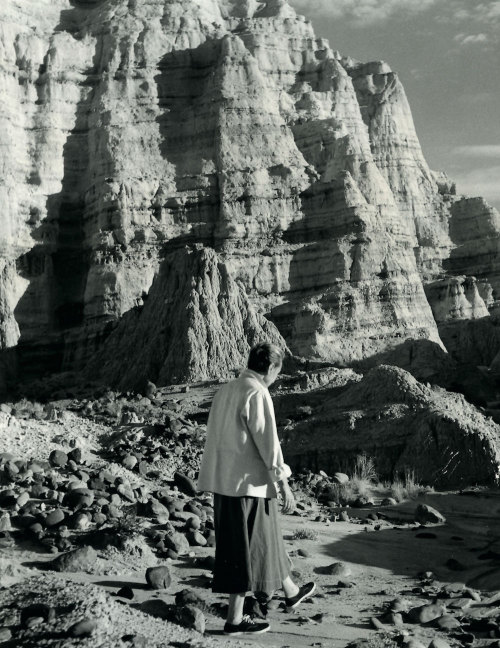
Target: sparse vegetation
363,478
305,534
408,487
364,469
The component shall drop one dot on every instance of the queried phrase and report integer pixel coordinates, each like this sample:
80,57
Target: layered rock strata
405,426
137,131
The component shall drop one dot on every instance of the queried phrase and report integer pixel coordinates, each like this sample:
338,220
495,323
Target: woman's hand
288,500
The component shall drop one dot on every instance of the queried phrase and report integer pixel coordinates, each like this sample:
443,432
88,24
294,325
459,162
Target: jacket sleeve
258,414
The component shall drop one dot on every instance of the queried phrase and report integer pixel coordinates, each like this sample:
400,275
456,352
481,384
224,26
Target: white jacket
242,455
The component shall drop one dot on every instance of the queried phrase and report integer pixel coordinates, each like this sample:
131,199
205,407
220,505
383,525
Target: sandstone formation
405,426
180,179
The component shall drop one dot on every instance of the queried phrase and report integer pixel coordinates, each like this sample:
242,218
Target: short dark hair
263,355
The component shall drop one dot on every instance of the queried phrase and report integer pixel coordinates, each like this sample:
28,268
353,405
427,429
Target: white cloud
480,182
483,12
471,39
478,151
361,12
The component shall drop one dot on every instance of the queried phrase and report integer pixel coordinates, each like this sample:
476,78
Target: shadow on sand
464,549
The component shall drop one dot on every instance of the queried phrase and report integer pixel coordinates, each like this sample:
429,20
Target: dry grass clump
363,478
305,534
408,487
364,469
382,640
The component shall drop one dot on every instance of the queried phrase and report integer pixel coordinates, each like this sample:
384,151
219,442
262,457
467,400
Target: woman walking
243,466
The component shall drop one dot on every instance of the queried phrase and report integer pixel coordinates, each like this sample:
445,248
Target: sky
447,54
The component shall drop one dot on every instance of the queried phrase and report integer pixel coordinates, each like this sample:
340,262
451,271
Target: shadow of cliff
57,265
188,128
457,552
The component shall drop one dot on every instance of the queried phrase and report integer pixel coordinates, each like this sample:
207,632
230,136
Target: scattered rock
126,592
83,628
58,458
159,577
425,613
5,635
447,622
338,569
177,542
185,484
37,610
190,617
437,642
54,518
189,597
195,538
426,514
74,561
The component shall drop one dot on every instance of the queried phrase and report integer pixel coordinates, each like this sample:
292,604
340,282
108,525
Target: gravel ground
76,601
37,438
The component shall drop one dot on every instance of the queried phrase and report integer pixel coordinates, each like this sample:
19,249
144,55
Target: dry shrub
364,469
408,488
305,534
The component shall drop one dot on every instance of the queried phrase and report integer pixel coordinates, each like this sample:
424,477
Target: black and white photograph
250,323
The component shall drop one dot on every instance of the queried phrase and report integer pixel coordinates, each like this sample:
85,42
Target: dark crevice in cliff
57,266
183,78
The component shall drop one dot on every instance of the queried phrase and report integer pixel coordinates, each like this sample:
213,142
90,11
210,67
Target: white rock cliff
211,169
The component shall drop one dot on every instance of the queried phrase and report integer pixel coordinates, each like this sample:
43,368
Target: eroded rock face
149,142
405,426
196,323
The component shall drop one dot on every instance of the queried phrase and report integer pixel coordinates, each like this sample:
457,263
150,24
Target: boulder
185,484
83,628
159,577
176,542
58,458
80,559
426,514
54,518
195,538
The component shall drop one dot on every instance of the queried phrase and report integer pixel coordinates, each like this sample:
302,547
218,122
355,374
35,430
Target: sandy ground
384,564
382,558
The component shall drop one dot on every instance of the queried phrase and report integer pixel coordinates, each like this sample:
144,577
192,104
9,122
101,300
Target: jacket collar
250,373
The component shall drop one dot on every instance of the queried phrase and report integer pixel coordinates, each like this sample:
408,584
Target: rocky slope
137,134
404,425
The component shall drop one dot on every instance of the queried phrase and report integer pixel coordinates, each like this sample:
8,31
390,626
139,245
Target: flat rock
338,569
447,622
74,561
425,613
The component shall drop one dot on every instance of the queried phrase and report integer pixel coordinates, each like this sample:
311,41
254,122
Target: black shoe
247,626
304,592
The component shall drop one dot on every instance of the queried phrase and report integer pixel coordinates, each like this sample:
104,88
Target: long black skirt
250,555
